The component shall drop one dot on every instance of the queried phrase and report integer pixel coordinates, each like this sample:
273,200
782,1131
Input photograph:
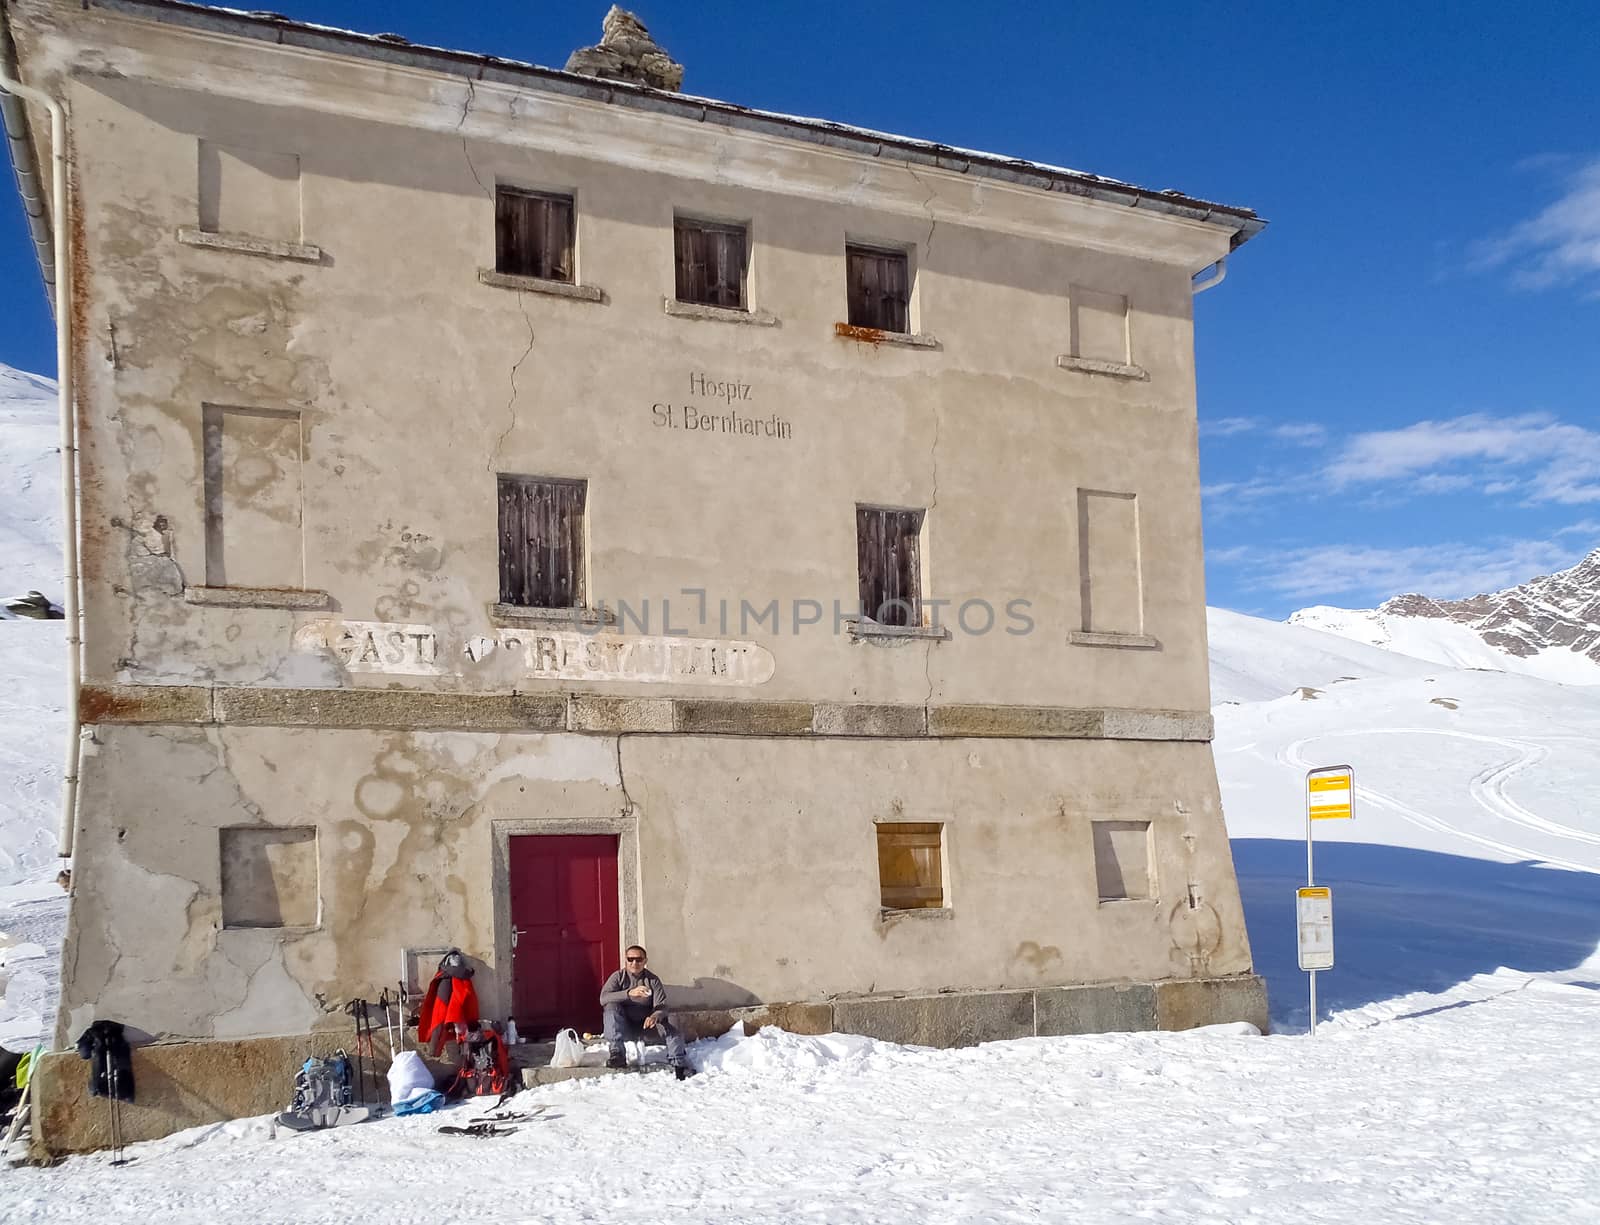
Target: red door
565,929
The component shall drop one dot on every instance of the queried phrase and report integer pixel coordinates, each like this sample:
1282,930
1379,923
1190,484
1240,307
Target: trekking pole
116,1117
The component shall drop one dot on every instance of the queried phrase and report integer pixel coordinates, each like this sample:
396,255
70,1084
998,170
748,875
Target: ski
478,1131
512,1116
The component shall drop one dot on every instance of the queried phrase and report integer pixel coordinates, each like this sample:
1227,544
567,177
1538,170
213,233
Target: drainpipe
69,446
1199,287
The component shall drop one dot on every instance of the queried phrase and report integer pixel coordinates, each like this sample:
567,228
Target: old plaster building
537,511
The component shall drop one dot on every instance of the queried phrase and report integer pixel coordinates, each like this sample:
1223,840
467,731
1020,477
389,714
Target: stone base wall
186,1084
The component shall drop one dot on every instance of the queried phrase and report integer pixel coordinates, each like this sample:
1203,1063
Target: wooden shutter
911,865
879,288
533,234
541,542
710,263
888,565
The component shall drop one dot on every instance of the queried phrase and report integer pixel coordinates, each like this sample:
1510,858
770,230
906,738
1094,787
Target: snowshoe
322,1117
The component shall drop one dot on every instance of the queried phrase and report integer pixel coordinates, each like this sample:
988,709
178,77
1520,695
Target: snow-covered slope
30,486
32,713
1476,844
1548,627
32,653
1255,661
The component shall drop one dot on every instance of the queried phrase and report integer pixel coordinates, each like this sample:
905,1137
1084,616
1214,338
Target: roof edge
391,49
24,165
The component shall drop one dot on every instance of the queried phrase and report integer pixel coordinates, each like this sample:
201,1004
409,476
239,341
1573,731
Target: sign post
1330,792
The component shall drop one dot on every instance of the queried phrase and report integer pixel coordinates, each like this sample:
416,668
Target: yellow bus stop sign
1329,793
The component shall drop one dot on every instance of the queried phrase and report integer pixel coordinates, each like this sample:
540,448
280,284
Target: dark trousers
625,1023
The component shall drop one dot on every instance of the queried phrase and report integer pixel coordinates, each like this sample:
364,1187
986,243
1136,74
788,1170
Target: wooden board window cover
911,864
541,541
889,565
533,234
710,260
879,284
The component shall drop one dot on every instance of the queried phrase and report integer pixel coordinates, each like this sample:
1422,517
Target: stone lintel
1091,365
1042,721
743,718
721,314
248,244
604,714
144,704
851,719
396,708
534,284
592,712
303,599
1158,725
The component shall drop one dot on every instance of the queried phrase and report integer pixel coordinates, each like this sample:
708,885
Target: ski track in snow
1487,789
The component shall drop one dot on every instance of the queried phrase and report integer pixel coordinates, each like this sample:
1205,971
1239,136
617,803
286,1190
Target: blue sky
1399,382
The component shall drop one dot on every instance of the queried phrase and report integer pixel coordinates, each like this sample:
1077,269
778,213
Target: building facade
535,513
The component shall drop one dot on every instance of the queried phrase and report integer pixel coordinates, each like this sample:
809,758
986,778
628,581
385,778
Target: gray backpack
322,1096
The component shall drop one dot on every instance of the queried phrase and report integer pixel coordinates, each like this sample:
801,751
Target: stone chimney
626,52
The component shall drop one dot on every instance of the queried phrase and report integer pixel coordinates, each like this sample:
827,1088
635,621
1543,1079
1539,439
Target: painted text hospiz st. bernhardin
692,418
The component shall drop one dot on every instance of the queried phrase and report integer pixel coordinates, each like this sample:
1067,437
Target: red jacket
449,1001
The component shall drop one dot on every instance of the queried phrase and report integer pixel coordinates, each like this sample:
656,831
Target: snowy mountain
1548,627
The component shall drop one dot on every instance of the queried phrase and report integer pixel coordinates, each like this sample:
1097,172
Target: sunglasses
636,959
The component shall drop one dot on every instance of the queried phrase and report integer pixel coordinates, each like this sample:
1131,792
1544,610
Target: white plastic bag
408,1075
569,1050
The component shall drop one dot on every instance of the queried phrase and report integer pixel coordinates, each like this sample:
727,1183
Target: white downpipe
61,234
1221,266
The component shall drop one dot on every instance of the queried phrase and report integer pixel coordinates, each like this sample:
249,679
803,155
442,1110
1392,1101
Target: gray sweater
622,981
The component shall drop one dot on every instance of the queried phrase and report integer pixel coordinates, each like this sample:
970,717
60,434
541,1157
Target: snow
1445,642
30,475
1450,1079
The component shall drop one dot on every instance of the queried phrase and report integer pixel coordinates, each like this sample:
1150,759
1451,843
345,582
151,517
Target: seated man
636,1000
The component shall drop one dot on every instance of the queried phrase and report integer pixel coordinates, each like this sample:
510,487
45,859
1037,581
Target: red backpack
485,1067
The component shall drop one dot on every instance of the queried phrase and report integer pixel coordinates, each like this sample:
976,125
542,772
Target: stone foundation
186,1084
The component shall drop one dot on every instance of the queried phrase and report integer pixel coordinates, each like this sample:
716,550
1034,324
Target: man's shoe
617,1059
682,1071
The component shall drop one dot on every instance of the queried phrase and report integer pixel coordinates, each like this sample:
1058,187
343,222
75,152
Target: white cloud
1367,575
1303,433
1559,245
1533,454
1226,427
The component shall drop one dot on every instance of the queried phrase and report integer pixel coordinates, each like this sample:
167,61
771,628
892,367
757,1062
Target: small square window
889,565
911,864
533,234
1122,859
710,261
541,541
879,287
269,876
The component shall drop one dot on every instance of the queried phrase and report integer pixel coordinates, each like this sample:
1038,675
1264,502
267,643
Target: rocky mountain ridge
1545,618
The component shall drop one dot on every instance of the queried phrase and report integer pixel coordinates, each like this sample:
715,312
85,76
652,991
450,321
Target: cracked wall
396,486
756,866
415,382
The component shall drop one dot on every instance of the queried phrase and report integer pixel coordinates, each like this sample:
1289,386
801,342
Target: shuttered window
541,541
879,284
911,865
710,261
890,569
533,234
